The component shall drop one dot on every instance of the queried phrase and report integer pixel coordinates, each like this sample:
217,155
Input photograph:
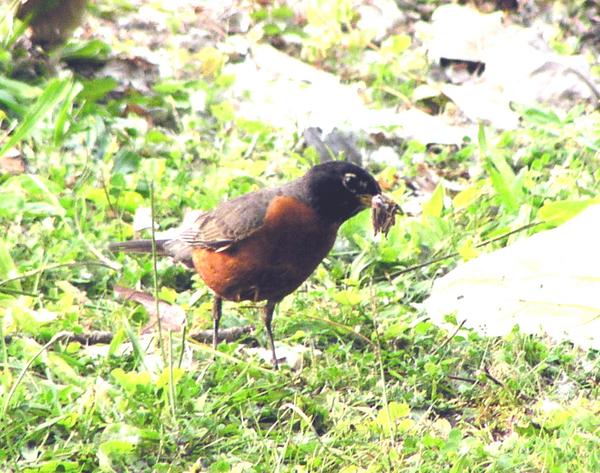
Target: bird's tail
138,246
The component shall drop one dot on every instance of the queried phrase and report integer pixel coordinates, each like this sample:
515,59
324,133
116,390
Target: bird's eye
353,183
350,181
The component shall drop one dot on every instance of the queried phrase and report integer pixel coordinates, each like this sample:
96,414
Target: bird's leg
216,314
267,317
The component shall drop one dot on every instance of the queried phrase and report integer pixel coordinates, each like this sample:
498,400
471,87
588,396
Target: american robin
263,245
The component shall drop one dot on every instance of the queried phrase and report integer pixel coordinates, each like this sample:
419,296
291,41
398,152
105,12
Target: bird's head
339,190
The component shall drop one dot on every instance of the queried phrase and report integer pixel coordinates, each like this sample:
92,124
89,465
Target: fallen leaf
13,165
547,283
510,63
172,317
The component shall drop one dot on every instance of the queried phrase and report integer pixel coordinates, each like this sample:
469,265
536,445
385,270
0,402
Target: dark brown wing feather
229,223
217,230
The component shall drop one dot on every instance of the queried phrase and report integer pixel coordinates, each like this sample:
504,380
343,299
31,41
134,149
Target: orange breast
274,260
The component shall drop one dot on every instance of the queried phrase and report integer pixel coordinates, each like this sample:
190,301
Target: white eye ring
348,178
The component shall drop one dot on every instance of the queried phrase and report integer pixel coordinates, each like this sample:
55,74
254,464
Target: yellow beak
365,200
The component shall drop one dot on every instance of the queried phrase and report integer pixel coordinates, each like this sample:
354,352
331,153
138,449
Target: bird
263,245
51,21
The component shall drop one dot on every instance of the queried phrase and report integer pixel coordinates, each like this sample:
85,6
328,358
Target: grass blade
53,94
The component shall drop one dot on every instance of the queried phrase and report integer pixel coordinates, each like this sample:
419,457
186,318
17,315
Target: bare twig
227,335
455,254
489,376
441,347
40,296
342,327
97,337
94,337
15,385
35,272
460,378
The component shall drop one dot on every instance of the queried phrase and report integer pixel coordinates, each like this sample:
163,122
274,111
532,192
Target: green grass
381,388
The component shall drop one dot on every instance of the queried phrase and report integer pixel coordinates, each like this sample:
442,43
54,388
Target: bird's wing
230,222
